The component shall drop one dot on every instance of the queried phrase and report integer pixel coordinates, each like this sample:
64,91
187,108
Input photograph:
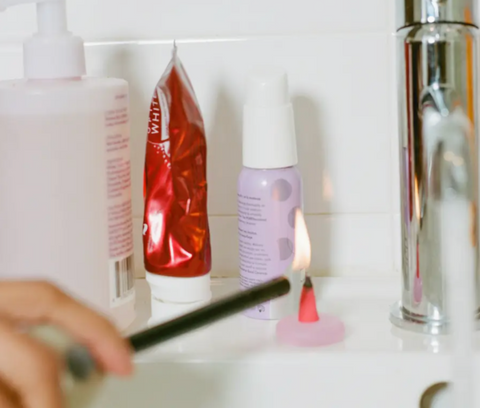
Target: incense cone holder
326,331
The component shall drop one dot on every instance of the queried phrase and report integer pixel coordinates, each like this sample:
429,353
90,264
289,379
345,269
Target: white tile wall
108,20
340,59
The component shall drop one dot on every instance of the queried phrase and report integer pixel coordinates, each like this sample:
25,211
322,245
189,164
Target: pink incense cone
308,329
308,304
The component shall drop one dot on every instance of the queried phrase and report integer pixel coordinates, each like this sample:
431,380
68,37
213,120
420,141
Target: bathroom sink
237,363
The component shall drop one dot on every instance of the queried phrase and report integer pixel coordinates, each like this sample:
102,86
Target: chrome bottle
437,79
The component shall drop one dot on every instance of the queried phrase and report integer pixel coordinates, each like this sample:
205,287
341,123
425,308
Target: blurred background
340,59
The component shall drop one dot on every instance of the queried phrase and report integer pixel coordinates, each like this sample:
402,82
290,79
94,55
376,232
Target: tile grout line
16,42
391,90
393,138
390,78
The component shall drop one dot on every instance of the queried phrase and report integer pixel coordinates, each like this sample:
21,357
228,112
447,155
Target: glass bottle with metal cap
437,54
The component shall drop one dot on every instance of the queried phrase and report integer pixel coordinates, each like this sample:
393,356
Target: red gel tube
176,237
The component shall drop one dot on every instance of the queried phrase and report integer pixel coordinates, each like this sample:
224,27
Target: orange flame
303,249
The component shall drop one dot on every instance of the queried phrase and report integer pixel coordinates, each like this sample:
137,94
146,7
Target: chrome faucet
437,80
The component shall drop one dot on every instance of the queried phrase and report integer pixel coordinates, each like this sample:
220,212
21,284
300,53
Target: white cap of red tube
175,296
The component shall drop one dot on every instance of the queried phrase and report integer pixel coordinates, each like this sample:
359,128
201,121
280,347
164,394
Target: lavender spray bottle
269,186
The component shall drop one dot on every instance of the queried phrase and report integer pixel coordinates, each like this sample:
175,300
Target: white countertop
237,362
363,304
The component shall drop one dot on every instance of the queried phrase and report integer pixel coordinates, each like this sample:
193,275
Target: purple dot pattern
285,248
281,190
291,216
267,203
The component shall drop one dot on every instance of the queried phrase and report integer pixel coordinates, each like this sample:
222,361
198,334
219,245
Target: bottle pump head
53,52
269,140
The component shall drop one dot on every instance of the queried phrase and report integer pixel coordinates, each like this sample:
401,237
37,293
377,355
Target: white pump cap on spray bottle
53,52
269,140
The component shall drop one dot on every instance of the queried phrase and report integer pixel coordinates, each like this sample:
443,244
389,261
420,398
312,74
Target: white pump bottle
65,195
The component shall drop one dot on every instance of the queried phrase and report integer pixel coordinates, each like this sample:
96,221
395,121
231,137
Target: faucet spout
458,256
448,133
438,157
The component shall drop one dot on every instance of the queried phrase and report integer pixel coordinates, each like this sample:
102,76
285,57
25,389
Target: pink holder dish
326,331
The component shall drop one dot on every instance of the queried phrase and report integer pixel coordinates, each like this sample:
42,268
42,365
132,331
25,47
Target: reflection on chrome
437,54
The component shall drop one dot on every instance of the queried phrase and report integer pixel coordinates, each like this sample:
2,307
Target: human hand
30,371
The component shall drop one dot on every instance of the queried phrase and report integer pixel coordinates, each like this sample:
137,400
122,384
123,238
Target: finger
7,403
8,397
30,369
40,302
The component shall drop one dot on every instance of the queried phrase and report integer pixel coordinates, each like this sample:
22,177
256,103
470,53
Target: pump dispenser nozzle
269,140
53,52
267,88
